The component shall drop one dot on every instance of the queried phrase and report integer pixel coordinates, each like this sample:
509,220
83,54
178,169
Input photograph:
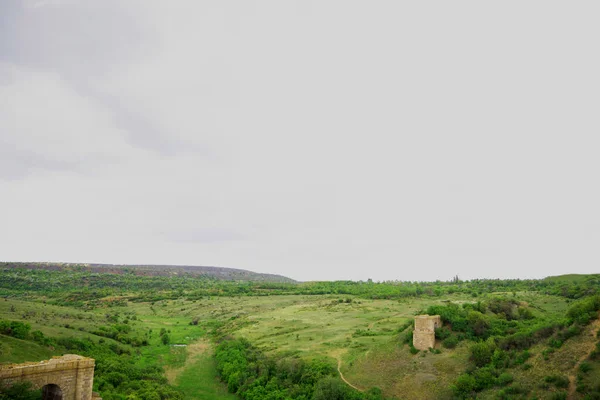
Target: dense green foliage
254,376
84,288
503,336
19,391
15,329
117,374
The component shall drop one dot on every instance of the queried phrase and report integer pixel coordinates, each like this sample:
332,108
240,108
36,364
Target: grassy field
361,337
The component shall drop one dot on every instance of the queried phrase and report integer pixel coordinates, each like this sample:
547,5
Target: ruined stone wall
424,333
73,374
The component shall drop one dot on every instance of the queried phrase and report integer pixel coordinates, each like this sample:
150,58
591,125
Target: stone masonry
424,333
69,377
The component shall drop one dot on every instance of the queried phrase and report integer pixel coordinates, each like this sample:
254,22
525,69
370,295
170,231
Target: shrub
15,329
450,342
515,389
165,339
584,311
481,353
464,387
484,377
505,379
500,359
522,357
504,308
408,337
555,343
585,367
442,333
559,381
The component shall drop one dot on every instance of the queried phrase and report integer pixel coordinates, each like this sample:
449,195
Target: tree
165,339
330,388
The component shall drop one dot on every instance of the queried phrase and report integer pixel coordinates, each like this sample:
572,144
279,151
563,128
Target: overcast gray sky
330,139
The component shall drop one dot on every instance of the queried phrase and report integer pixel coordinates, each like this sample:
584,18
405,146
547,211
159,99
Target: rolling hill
220,273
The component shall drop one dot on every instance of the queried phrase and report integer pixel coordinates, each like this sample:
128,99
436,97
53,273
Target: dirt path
338,356
572,377
344,379
194,350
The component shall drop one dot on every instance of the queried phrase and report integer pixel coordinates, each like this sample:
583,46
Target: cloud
320,140
45,125
71,39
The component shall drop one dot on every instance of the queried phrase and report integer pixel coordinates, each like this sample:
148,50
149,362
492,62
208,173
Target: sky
321,140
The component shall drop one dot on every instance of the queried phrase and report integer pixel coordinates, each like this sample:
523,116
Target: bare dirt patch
590,347
194,351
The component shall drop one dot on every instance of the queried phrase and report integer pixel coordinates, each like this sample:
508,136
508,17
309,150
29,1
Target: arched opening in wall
52,392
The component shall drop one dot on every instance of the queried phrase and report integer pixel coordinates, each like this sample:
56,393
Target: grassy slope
310,326
17,351
573,278
320,326
563,362
198,378
220,273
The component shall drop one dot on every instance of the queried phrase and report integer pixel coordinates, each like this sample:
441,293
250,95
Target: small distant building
424,333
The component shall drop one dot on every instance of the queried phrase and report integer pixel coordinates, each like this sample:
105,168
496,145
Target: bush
408,337
450,342
481,353
504,308
559,381
505,379
464,387
584,311
515,389
15,329
585,367
442,333
500,359
165,339
484,377
522,357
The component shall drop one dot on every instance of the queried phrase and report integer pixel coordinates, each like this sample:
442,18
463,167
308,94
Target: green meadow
169,342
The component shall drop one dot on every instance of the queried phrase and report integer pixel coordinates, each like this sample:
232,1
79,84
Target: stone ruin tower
424,333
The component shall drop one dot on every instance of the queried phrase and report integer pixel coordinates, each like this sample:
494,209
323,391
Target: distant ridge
221,273
573,278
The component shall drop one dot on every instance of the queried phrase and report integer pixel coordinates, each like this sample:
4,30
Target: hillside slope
221,273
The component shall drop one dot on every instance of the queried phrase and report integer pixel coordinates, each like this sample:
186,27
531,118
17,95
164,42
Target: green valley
200,337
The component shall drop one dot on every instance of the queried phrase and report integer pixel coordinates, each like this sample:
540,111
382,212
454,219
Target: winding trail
344,379
337,354
572,376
